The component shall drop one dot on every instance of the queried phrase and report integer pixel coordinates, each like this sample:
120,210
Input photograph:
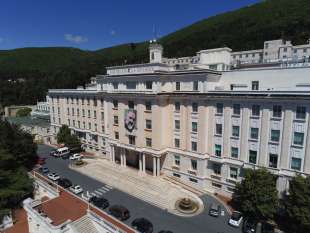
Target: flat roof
29,121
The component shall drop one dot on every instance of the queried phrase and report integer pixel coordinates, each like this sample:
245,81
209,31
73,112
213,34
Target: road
162,220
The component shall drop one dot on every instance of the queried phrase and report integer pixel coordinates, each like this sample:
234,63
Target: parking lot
161,220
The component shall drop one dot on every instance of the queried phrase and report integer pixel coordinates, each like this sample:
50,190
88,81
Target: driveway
162,220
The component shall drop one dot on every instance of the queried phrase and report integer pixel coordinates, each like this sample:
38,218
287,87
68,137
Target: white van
61,152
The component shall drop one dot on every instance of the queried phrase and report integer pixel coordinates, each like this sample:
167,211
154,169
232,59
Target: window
295,50
177,106
298,138
218,150
234,152
219,108
149,85
131,105
194,107
252,156
218,129
132,140
176,175
88,113
236,109
296,164
68,111
275,135
148,142
216,168
83,112
69,123
177,143
89,125
305,50
233,172
177,124
95,126
116,135
78,112
300,112
285,49
193,180
82,101
266,46
254,133
193,164
194,146
255,110
277,111
131,85
84,125
95,114
177,86
79,124
148,124
88,101
255,85
102,116
194,127
95,102
72,111
115,85
176,160
195,86
115,104
235,131
148,106
273,160
115,120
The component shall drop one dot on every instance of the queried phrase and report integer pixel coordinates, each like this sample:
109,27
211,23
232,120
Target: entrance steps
153,190
183,185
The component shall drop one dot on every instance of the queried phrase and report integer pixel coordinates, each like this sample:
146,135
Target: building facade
201,122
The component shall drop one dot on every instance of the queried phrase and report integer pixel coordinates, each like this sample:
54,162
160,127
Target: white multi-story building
199,119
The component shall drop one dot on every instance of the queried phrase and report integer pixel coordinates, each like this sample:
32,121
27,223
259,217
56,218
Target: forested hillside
243,29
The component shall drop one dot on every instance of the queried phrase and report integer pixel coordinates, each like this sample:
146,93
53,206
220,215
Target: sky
95,24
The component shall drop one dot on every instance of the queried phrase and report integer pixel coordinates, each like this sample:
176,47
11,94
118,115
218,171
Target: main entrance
144,162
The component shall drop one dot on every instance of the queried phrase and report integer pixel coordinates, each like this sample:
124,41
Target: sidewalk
154,190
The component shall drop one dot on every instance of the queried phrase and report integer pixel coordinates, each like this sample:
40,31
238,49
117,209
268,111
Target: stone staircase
154,190
84,225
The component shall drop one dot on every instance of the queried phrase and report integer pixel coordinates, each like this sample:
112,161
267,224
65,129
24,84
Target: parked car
235,219
215,210
64,182
119,212
41,161
100,202
76,156
65,156
52,152
249,225
267,228
142,225
53,176
61,152
44,170
77,189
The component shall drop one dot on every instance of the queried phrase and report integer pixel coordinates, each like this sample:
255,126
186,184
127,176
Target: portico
145,162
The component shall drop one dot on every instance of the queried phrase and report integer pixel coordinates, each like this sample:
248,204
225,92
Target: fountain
186,206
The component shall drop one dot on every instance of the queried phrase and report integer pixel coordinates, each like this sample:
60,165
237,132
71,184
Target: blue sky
94,24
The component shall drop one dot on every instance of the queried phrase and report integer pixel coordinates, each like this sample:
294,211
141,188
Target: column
143,162
112,155
124,159
140,163
154,166
158,166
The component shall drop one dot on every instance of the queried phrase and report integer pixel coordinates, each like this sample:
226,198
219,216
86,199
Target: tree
298,204
23,112
64,136
17,155
256,195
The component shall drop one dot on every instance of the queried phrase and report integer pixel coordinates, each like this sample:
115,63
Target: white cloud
75,38
112,32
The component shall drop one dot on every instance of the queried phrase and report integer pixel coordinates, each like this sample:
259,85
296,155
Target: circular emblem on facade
130,119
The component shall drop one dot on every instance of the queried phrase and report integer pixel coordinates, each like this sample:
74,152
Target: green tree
23,112
256,195
64,136
17,155
298,204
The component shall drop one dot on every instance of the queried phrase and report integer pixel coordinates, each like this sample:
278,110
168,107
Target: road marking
99,193
108,186
104,189
93,194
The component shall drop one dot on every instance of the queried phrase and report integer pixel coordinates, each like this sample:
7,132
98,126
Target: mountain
60,67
